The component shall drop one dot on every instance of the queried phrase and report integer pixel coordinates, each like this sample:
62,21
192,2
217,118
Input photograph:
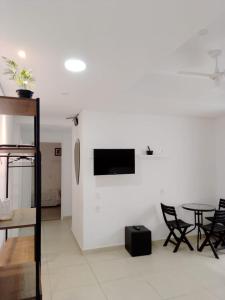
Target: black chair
175,224
221,206
214,232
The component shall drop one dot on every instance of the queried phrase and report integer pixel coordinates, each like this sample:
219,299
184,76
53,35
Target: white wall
52,134
220,156
186,174
77,189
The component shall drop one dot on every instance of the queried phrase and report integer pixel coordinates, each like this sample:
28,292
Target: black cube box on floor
138,240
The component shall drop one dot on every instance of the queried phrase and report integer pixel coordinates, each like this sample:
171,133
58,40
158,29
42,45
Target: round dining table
198,209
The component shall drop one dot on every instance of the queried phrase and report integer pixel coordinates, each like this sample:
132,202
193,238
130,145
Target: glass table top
198,207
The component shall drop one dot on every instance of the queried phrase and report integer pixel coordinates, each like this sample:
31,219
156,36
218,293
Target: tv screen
114,161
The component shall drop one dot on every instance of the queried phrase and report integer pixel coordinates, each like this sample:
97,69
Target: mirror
77,160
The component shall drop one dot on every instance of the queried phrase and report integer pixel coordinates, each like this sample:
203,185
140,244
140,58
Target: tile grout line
83,285
98,282
48,273
96,278
154,289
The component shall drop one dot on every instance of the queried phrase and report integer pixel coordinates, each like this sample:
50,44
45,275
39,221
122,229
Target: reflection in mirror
77,160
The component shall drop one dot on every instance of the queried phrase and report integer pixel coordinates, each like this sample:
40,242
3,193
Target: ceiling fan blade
195,74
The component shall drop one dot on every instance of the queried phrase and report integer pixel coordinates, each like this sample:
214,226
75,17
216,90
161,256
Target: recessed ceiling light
75,65
21,54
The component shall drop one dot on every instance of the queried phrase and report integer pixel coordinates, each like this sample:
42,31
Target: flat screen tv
114,161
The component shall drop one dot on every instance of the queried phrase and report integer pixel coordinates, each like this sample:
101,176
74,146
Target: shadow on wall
121,179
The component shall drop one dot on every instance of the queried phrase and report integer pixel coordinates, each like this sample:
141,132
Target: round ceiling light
21,53
75,65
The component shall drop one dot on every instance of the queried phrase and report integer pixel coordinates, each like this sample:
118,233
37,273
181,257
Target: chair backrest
168,210
222,204
219,218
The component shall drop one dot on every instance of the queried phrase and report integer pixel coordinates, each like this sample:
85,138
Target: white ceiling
130,48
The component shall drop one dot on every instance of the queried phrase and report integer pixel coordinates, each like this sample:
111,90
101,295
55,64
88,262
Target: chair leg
180,240
188,243
168,239
204,242
223,239
216,244
213,249
175,237
207,240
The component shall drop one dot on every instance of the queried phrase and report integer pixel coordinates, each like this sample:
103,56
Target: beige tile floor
114,275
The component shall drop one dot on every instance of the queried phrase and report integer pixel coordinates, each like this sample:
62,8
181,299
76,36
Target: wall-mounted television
114,161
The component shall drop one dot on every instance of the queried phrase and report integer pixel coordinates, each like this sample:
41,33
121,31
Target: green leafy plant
22,77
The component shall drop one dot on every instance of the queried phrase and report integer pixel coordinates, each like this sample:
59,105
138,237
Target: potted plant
149,151
23,77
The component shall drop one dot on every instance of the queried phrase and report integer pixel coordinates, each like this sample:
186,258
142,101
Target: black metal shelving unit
20,258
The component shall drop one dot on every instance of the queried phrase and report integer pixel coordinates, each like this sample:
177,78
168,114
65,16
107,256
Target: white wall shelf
154,156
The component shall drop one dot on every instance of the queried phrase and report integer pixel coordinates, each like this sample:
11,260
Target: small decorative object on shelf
149,151
23,78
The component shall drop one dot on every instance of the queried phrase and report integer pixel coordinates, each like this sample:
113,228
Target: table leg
199,216
195,224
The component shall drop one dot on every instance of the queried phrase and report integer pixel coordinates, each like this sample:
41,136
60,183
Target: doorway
51,181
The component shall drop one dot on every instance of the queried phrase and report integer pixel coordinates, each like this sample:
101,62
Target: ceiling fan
74,119
217,75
